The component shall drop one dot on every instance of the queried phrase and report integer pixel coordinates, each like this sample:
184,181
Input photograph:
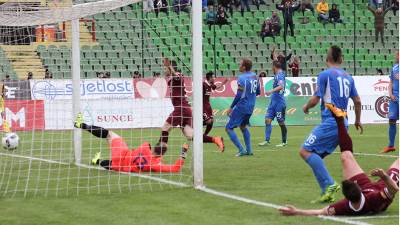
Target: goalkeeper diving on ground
143,159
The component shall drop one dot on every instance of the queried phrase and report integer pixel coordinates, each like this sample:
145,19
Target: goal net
114,77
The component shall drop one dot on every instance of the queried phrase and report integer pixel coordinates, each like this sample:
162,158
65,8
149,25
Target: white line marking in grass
162,180
33,158
274,206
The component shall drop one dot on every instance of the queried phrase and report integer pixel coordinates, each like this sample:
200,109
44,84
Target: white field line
274,206
158,179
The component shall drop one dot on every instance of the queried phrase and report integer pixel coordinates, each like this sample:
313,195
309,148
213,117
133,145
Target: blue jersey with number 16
334,86
250,86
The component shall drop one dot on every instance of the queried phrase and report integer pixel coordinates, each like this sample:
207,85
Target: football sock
208,128
235,139
268,130
345,142
164,136
392,134
246,137
96,131
283,132
320,172
105,164
207,139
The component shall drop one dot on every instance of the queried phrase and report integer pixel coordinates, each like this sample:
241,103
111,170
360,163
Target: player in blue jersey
242,106
277,105
334,88
393,105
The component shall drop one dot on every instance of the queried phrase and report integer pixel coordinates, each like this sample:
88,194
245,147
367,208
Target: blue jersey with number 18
334,86
250,86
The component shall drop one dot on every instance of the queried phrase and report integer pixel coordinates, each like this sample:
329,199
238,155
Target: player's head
335,56
160,149
379,10
245,65
276,66
351,191
210,76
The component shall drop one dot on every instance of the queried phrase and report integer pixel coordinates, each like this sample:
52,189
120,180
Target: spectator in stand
266,29
211,16
334,15
281,58
48,74
227,4
7,78
395,6
379,72
107,74
30,75
295,66
379,15
276,23
222,16
148,5
306,5
288,9
322,10
181,5
262,74
160,6
136,75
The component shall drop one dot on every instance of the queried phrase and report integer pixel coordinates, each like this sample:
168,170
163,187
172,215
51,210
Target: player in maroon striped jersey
362,196
182,114
208,120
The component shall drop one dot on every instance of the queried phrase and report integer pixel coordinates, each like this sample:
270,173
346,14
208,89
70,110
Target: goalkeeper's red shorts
119,150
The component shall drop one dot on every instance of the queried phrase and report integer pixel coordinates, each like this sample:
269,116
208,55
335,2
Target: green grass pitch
272,175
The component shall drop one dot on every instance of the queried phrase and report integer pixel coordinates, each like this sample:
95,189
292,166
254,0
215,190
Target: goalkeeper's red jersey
139,160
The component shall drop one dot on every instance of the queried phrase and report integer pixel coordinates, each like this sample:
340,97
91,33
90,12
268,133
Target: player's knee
268,121
304,154
281,123
346,157
243,127
209,121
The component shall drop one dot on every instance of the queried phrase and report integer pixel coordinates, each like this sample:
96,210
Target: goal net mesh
122,88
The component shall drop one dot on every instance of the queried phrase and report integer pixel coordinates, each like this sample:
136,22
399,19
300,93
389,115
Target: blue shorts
276,110
393,110
323,139
238,118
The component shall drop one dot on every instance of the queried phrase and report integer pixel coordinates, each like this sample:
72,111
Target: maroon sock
345,142
208,128
164,136
207,139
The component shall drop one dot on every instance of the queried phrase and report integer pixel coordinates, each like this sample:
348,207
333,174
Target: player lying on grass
362,196
142,159
182,114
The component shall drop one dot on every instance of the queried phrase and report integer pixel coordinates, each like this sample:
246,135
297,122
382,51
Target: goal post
197,68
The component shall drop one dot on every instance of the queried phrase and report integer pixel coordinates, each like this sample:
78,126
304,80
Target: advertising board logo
60,89
23,114
269,85
382,106
17,90
381,86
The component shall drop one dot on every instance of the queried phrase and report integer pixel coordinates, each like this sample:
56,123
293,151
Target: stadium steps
23,59
85,37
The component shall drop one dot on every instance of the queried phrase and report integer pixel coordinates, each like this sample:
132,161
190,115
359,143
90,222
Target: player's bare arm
220,85
290,210
312,102
390,184
268,93
357,111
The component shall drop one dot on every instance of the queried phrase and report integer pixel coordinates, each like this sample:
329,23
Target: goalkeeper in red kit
362,196
143,159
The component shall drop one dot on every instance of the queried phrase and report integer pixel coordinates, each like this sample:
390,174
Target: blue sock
246,137
268,130
235,139
392,134
320,172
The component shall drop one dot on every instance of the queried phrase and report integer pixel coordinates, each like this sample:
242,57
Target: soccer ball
10,141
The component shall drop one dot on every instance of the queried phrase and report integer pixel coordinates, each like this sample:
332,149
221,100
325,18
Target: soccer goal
102,60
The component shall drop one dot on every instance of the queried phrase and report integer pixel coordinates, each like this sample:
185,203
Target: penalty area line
274,206
158,179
